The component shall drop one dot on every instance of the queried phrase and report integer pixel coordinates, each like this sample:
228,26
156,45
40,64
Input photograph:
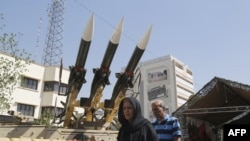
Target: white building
164,78
37,90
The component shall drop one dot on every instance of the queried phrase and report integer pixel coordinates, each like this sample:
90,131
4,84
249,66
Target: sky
211,37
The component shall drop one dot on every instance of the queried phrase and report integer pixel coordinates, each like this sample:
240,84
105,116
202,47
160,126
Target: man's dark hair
81,137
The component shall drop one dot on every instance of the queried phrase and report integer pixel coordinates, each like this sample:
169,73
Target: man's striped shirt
168,128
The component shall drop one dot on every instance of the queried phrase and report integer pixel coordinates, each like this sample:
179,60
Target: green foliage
13,63
45,119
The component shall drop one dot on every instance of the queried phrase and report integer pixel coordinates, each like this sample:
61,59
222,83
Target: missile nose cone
88,31
144,40
117,33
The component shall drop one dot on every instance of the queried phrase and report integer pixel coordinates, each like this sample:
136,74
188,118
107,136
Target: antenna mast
52,53
38,38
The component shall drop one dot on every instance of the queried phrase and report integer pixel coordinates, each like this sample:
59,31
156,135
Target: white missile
85,43
117,33
144,41
89,29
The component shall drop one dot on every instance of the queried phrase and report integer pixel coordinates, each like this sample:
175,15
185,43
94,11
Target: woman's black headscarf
137,121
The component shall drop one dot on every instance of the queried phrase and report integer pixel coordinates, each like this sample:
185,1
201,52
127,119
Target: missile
138,52
125,79
85,43
101,78
78,72
112,46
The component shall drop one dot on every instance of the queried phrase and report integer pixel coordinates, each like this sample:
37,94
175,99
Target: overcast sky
211,37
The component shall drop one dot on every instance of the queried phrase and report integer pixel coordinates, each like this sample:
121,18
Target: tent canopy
219,102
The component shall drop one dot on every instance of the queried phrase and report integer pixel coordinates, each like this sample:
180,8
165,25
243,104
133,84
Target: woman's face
128,110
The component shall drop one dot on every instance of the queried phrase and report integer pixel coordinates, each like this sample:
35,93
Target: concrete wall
37,132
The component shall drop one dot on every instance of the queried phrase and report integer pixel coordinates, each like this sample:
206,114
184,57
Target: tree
45,119
13,63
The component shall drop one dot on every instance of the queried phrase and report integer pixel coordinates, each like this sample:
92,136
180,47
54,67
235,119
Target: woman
134,126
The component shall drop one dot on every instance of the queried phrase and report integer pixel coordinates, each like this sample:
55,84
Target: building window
29,83
189,72
26,110
52,110
63,88
49,86
179,65
54,86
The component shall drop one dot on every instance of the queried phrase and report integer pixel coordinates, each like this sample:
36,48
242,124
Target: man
81,137
167,127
